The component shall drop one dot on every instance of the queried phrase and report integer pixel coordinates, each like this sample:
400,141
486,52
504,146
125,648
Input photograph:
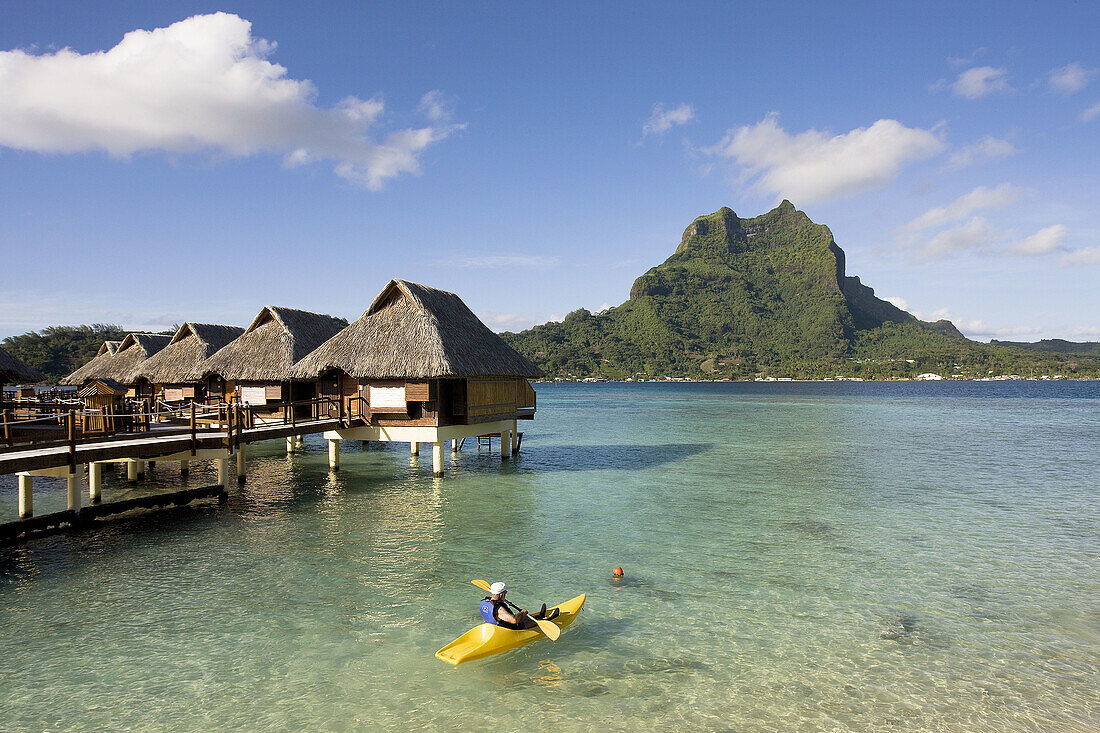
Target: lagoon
798,556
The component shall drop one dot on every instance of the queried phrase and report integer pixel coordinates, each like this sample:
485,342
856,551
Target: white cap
497,588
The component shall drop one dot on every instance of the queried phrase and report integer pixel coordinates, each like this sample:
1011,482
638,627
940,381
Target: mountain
761,296
1056,346
58,350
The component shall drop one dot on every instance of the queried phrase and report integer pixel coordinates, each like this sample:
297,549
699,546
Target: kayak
488,639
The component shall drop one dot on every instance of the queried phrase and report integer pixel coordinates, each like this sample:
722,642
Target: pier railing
53,424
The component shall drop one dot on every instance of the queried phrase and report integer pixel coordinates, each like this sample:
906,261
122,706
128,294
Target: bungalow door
328,389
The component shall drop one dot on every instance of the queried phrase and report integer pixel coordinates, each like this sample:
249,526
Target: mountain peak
722,223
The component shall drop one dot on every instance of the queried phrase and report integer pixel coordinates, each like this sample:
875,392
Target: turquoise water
798,557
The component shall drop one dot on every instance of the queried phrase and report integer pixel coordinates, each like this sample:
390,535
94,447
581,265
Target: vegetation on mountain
767,296
58,350
1057,346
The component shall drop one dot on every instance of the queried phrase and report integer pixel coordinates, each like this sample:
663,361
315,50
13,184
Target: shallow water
798,557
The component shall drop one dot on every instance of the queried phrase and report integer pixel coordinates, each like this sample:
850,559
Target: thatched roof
121,365
192,344
108,347
275,340
110,387
14,370
413,331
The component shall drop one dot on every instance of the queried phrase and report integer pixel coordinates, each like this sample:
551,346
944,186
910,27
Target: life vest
488,608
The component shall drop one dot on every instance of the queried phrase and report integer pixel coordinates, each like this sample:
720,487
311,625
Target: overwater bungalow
122,365
14,370
419,366
173,370
255,367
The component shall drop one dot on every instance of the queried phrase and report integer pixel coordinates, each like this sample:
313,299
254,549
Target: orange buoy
617,573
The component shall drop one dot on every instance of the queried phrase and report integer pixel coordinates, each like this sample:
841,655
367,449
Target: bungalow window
254,395
387,399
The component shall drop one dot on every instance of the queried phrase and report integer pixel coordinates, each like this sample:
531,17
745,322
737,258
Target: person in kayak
495,610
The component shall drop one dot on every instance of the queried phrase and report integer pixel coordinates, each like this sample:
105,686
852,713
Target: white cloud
1043,241
1091,113
510,321
1086,256
817,166
1071,78
435,106
980,199
898,302
494,262
988,148
1085,331
957,61
662,120
974,234
203,84
980,81
980,236
975,327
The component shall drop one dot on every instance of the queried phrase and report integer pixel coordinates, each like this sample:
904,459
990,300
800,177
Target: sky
168,162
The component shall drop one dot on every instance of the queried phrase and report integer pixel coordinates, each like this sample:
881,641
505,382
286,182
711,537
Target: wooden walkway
149,445
86,516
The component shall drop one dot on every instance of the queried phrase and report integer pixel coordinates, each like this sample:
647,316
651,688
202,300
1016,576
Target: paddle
547,627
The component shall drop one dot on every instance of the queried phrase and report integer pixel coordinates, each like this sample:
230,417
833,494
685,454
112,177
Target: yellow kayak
486,640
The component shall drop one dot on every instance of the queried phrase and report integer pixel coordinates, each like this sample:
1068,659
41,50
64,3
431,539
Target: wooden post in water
223,472
132,471
95,482
242,466
334,454
72,490
437,459
414,448
505,444
185,467
26,496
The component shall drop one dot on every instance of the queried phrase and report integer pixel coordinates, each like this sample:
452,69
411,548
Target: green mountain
1056,346
763,296
59,350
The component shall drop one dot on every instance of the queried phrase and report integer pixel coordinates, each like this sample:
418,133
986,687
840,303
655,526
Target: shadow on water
608,457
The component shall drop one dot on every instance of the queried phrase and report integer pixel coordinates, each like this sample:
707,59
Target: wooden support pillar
505,444
414,448
437,459
95,482
72,486
223,472
26,496
151,465
334,454
141,470
242,464
454,445
290,444
132,471
515,437
185,467
300,442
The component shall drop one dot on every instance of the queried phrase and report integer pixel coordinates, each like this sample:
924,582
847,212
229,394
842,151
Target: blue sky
538,159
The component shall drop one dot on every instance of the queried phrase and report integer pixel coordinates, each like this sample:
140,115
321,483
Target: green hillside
1057,346
766,296
58,350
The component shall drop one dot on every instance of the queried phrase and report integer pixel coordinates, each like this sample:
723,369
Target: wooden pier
418,367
